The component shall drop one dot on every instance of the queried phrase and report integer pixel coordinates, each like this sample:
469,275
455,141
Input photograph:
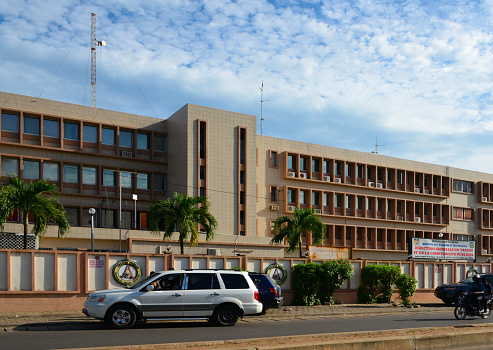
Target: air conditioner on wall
303,176
400,218
127,154
427,191
485,251
213,251
317,211
417,219
338,181
379,185
485,199
417,190
291,174
327,178
291,208
274,208
371,184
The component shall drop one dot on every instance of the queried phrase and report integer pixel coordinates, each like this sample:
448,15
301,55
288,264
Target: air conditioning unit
400,218
379,185
213,251
485,199
338,181
127,154
291,207
327,178
303,176
317,211
485,251
274,208
417,190
291,174
417,219
371,184
427,191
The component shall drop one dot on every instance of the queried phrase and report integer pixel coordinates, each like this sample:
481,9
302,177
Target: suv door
166,300
202,294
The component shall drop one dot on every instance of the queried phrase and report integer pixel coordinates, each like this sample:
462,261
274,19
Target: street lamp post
92,211
134,196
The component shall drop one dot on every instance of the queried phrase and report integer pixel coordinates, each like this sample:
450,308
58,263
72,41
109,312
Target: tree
291,228
38,199
182,213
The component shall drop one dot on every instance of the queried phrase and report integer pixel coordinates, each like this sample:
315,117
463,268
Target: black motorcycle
465,308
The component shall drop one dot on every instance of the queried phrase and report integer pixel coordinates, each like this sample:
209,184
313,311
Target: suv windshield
142,282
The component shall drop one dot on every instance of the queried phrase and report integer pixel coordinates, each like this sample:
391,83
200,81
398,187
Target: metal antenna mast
376,146
94,43
261,111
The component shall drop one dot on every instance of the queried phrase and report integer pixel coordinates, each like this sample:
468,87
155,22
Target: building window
338,200
349,204
108,136
73,216
10,167
31,126
125,139
202,192
369,173
326,167
71,173
462,214
326,199
408,179
458,237
303,164
159,182
127,219
242,177
315,165
389,175
108,218
273,194
242,146
89,175
50,171
51,128
125,179
142,181
10,122
338,168
435,182
399,176
380,174
202,173
349,169
291,165
71,131
315,198
369,203
291,196
272,225
142,141
273,159
360,171
242,197
463,186
159,143
202,136
90,133
30,169
417,180
302,197
108,178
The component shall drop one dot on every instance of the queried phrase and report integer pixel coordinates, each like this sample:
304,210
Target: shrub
305,284
388,276
407,287
331,276
374,275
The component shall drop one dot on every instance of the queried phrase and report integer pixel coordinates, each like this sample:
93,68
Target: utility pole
261,106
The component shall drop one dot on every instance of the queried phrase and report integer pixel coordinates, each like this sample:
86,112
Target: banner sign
328,253
424,248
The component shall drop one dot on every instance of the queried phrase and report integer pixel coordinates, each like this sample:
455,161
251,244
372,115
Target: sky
417,75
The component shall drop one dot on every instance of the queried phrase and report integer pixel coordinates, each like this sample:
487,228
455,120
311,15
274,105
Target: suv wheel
226,315
120,317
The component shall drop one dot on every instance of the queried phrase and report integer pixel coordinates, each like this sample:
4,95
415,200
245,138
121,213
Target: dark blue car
269,291
451,293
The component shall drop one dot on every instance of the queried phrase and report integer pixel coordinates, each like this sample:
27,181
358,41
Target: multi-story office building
98,158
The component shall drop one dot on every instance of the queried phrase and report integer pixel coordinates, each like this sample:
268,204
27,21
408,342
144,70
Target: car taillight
256,295
273,291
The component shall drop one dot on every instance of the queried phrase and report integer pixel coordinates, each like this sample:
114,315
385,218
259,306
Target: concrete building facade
371,203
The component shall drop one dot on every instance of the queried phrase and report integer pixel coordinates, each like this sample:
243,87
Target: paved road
96,334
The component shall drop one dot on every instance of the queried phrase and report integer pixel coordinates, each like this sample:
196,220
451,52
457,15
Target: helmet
476,276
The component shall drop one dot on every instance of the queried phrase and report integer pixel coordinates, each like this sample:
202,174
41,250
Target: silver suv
220,296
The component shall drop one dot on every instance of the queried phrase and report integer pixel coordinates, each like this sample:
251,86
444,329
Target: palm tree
183,214
291,228
38,199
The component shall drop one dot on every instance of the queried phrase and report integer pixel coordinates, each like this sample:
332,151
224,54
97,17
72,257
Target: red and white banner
423,248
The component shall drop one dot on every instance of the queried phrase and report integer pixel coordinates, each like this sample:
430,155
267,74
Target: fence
34,280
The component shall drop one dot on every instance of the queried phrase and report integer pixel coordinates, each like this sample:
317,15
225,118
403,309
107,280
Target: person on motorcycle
477,291
487,292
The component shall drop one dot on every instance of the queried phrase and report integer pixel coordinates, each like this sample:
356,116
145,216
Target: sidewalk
9,321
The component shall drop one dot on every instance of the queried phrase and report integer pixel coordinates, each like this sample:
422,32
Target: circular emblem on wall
471,245
126,272
277,273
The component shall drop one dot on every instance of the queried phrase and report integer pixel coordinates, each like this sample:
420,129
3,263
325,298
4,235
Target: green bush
373,276
315,284
388,276
365,297
407,288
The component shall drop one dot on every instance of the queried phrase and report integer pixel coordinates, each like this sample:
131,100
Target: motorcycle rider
487,292
477,291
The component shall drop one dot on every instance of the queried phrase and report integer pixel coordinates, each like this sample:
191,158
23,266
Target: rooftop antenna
94,43
261,105
376,146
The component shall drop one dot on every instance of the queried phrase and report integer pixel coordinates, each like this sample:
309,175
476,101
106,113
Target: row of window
71,173
51,128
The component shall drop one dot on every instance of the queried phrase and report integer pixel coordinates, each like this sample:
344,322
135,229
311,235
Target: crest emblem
126,272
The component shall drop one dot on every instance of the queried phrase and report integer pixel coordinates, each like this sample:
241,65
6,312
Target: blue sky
415,74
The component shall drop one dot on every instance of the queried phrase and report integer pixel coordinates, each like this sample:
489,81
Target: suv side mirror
149,288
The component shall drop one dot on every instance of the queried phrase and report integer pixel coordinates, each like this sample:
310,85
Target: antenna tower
94,43
376,146
261,105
